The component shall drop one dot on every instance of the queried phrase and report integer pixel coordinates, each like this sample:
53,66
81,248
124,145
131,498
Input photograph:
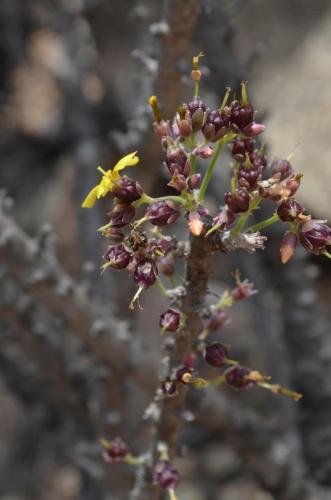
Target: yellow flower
109,178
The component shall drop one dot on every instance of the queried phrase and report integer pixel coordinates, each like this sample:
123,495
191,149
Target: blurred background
75,365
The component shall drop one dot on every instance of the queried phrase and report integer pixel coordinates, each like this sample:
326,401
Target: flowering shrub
141,246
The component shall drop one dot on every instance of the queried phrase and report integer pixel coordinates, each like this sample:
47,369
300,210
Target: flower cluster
191,142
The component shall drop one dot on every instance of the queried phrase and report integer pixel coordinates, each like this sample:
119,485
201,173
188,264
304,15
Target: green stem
172,494
327,254
242,220
212,164
265,223
162,288
193,160
148,199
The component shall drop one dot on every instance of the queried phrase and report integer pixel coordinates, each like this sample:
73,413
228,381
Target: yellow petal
90,198
127,161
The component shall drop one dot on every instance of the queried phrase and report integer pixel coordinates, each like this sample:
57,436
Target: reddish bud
118,257
224,219
161,128
241,116
240,146
217,320
176,159
248,177
289,210
292,185
115,451
178,181
170,320
204,152
282,168
287,246
161,213
165,475
238,201
127,190
215,126
185,128
190,360
145,273
238,377
194,181
253,129
121,215
113,233
216,354
315,236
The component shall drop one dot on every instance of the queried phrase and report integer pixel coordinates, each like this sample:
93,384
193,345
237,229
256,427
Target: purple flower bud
127,190
253,129
161,128
282,168
215,126
292,184
287,246
176,159
169,386
113,233
248,177
194,181
240,146
217,320
289,210
115,451
121,215
178,181
166,266
237,377
196,109
204,152
185,127
224,219
216,354
165,475
258,160
161,213
184,374
160,246
315,236
145,273
237,201
118,257
170,320
240,116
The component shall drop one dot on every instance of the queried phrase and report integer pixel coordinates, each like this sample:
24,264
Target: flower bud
170,320
166,266
240,146
118,257
195,223
289,209
248,177
159,246
224,219
121,215
127,190
169,386
241,116
204,152
238,201
194,181
287,246
315,236
185,128
253,129
190,360
217,320
161,213
162,128
292,184
282,168
178,181
197,110
244,290
113,233
176,159
216,354
216,125
165,475
145,273
115,451
238,377
184,374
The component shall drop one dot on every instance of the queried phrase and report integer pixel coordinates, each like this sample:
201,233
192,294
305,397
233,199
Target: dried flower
184,374
161,213
289,209
237,201
287,246
177,160
117,257
238,377
121,215
195,223
281,168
